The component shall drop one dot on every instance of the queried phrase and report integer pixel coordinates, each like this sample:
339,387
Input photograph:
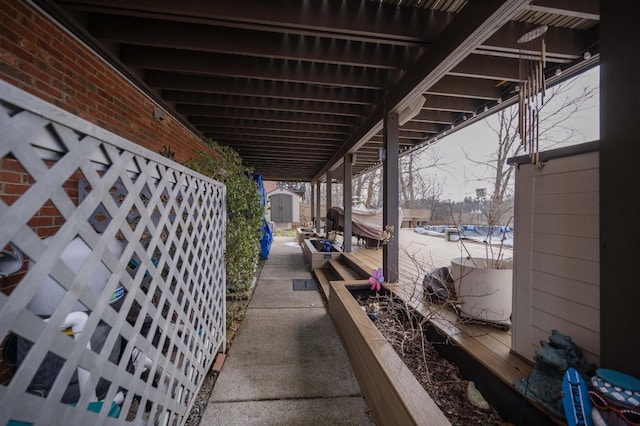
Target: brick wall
42,59
39,57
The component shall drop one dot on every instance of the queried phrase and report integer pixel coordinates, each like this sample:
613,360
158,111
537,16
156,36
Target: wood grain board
393,393
420,254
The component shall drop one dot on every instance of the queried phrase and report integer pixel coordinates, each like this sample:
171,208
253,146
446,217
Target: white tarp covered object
366,223
494,235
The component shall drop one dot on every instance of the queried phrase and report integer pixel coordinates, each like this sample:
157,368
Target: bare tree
418,190
559,108
415,186
431,192
358,186
374,186
337,194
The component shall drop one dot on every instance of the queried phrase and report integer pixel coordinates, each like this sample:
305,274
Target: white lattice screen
145,296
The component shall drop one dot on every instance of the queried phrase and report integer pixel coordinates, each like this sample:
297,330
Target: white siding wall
557,258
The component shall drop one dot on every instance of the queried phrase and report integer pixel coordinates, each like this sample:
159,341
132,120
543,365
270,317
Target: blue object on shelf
266,238
261,190
619,379
575,399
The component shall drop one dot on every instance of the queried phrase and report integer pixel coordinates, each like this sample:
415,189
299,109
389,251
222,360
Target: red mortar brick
40,222
10,177
217,365
39,57
11,188
42,59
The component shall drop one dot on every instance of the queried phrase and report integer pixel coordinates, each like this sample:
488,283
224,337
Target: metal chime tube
533,88
543,58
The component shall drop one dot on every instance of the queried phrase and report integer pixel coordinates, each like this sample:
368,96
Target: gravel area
202,399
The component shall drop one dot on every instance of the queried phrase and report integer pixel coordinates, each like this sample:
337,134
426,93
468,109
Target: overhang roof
293,86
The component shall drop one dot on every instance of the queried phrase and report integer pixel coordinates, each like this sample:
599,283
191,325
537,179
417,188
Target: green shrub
244,212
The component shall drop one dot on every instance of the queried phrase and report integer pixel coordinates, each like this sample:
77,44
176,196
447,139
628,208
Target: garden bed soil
439,377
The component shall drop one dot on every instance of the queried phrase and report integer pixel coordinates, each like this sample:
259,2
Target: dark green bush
244,212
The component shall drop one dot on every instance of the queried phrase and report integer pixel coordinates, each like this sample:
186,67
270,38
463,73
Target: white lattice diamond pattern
167,224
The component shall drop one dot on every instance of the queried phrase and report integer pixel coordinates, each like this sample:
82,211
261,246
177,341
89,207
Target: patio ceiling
293,86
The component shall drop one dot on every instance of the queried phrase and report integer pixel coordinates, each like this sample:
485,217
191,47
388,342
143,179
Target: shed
557,264
283,207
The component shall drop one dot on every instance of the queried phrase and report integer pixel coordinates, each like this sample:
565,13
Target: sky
460,176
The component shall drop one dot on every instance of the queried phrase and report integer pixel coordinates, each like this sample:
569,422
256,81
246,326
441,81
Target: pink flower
376,279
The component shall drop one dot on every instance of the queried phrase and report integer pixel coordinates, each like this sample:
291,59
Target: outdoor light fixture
499,100
587,55
486,108
474,114
411,110
158,114
382,154
558,72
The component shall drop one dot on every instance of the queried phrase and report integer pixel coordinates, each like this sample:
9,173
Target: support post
619,150
313,205
328,196
390,196
318,207
346,203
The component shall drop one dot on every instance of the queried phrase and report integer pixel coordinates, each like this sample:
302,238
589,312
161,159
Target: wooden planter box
394,395
303,234
318,259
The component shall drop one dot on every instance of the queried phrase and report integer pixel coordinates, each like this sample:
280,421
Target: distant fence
118,313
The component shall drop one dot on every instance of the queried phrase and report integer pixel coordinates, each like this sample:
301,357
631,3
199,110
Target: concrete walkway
286,365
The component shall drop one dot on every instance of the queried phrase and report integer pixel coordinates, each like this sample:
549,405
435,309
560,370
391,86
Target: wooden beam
448,103
477,21
485,67
584,9
437,117
561,43
261,88
260,155
249,102
204,63
307,148
288,117
466,88
211,123
234,41
420,126
374,22
241,134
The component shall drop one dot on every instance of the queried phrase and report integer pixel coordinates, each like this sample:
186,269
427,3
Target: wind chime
531,88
